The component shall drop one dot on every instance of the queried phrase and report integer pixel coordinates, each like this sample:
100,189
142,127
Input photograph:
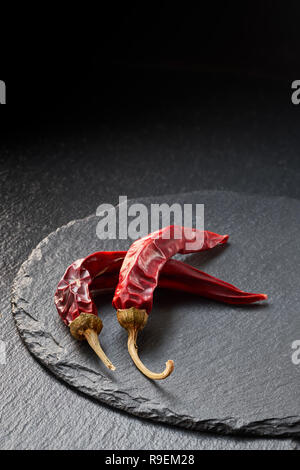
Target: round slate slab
233,365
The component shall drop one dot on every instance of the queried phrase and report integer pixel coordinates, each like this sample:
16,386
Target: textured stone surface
242,136
233,365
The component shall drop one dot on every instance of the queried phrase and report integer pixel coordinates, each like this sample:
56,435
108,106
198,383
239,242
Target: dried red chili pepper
183,277
139,275
74,303
176,275
99,272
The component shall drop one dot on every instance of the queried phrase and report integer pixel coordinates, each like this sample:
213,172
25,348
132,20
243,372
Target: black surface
205,129
233,368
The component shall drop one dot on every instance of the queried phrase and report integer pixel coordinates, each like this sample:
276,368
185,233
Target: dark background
140,54
139,99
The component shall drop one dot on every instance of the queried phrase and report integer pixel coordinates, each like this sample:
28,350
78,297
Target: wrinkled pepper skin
99,273
139,277
136,274
176,275
72,296
146,258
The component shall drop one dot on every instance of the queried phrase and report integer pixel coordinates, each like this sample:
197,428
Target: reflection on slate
233,367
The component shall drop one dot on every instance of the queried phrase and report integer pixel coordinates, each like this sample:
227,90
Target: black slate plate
233,365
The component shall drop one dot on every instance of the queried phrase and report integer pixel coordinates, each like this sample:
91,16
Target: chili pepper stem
88,326
133,351
93,340
133,320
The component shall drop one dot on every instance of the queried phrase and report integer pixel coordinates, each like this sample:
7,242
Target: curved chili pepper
183,277
139,275
99,272
176,275
74,303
